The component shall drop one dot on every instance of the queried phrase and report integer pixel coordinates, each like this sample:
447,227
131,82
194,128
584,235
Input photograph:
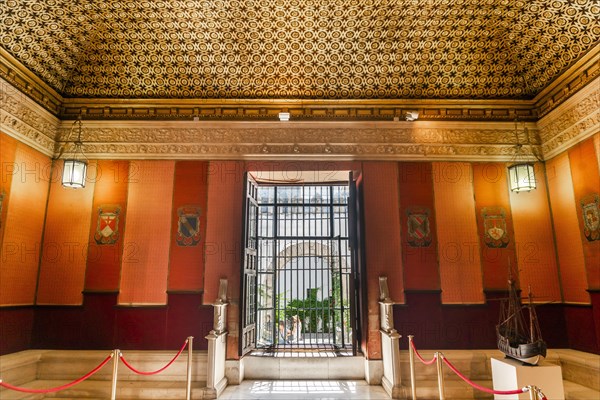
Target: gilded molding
25,120
268,140
20,77
573,121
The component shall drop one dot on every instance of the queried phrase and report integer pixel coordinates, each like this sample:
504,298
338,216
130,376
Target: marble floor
263,389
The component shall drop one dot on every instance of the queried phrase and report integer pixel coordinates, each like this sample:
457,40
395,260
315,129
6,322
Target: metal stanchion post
113,390
188,389
440,372
411,357
534,393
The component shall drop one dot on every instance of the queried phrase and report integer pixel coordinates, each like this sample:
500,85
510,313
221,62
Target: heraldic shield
494,227
107,227
591,216
419,232
188,226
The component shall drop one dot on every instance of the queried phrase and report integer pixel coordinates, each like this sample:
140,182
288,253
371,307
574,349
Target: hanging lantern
75,167
521,177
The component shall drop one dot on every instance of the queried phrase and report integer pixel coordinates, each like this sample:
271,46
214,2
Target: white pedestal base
509,374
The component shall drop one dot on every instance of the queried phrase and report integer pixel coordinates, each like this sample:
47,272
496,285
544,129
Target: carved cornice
573,121
420,140
28,83
569,83
300,110
25,120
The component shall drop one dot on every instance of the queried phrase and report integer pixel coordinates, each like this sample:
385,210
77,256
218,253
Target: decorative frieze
327,140
572,122
25,120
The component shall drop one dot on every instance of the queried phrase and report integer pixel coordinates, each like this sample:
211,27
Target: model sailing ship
516,338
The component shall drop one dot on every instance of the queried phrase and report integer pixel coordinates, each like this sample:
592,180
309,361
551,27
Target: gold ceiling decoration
293,49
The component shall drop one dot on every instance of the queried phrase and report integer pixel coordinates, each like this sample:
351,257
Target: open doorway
299,275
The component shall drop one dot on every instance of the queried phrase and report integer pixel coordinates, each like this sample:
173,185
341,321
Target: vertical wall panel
106,243
382,241
8,148
458,242
536,253
417,214
188,229
494,220
223,240
64,253
145,262
596,139
586,187
23,226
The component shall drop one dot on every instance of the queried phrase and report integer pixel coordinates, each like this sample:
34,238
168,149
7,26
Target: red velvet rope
421,358
56,389
482,388
158,370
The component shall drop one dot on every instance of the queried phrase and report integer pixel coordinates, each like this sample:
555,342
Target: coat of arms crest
188,226
107,227
419,231
494,227
591,216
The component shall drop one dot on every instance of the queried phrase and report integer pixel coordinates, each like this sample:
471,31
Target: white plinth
509,374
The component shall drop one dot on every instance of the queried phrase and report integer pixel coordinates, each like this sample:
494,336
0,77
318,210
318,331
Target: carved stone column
217,344
390,344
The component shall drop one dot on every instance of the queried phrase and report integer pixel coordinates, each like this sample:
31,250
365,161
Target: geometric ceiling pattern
299,49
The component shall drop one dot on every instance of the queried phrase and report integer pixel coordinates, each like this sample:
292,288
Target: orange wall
536,251
106,249
458,241
586,189
145,263
223,240
29,175
418,226
383,244
568,244
65,249
492,205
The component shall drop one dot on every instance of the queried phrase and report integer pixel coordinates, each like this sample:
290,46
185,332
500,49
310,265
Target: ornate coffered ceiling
270,50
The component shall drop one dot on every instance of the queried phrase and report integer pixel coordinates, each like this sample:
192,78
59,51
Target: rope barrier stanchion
411,356
115,373
440,373
188,388
483,388
421,358
158,370
58,388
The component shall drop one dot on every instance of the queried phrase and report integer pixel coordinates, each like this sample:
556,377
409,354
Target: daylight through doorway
303,272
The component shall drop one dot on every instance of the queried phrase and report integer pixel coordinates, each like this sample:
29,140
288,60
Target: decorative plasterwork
25,120
309,49
19,76
302,140
573,121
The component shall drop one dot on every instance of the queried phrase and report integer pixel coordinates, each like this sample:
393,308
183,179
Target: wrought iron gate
304,280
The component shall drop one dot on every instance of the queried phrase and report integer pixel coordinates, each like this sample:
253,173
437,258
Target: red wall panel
417,214
536,252
586,187
24,226
494,222
147,237
383,244
188,230
458,241
106,245
223,240
64,252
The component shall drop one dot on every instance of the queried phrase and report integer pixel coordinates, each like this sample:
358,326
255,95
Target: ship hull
529,353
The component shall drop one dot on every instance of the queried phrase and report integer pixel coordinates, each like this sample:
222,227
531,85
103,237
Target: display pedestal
509,374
